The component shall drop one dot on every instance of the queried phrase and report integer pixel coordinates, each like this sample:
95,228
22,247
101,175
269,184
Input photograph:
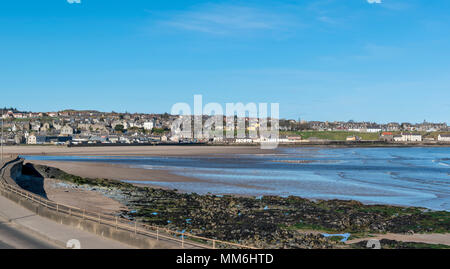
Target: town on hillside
73,127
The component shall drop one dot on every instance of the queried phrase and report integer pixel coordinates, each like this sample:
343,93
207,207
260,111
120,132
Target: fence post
47,203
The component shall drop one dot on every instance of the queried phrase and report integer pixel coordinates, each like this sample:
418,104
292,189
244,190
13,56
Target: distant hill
80,111
13,109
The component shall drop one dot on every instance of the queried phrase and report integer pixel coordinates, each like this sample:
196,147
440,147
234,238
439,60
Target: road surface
21,228
13,237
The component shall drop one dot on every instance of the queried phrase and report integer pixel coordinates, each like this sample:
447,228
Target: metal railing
138,228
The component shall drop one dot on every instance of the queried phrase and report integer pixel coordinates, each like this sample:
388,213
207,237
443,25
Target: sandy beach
134,150
125,173
115,171
122,172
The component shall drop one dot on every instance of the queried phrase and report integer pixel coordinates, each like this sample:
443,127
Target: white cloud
227,19
374,1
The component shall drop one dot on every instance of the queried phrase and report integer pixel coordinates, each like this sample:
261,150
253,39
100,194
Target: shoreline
167,151
165,177
136,176
142,177
191,150
115,171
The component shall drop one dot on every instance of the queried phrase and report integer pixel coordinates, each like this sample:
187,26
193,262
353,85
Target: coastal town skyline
28,114
72,127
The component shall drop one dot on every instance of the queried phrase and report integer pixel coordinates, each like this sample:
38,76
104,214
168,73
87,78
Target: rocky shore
263,222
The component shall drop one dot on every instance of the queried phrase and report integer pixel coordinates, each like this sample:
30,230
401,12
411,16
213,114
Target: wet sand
115,171
125,173
134,150
122,172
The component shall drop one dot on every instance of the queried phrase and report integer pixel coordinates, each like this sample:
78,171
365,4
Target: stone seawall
11,169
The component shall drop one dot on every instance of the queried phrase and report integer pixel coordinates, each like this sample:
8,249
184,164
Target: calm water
401,176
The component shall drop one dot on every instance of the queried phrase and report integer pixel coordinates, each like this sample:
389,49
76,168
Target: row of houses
413,137
252,140
372,127
83,140
408,137
43,139
444,137
101,127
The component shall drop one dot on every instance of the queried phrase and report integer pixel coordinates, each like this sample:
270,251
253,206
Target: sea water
399,176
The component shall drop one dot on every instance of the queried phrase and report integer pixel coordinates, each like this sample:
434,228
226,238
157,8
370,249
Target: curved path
21,228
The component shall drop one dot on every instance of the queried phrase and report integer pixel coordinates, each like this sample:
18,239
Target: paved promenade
21,228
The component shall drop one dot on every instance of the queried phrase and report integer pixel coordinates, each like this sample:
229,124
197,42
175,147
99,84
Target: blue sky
321,60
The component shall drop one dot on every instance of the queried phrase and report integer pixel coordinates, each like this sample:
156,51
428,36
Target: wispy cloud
281,18
224,19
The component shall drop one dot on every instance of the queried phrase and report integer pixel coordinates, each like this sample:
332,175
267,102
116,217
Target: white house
36,126
149,125
35,139
373,130
408,137
113,139
31,140
124,139
244,140
67,130
444,138
354,130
